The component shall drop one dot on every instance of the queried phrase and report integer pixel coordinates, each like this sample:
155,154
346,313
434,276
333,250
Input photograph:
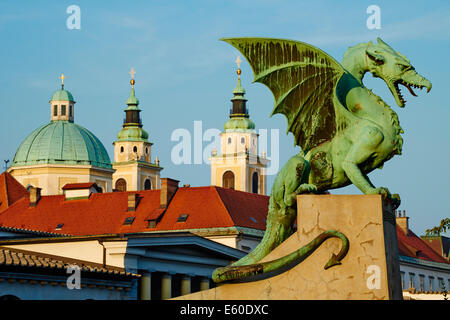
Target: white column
146,286
185,285
204,284
166,286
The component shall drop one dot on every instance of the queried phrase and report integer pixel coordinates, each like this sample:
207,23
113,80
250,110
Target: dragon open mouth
407,85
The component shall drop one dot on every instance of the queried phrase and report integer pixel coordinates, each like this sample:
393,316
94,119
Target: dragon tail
235,272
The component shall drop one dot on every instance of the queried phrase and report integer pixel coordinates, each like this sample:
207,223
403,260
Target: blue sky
184,73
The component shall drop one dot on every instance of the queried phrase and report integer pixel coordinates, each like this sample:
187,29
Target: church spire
132,111
239,108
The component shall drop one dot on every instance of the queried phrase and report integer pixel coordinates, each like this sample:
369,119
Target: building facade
61,152
238,165
134,169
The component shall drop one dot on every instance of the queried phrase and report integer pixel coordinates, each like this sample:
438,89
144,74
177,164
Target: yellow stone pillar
166,286
185,285
146,286
204,284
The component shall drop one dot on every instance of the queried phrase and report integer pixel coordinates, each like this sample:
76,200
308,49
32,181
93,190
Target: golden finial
132,72
62,80
238,62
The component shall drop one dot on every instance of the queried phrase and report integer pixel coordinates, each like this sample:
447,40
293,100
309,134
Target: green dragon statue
344,130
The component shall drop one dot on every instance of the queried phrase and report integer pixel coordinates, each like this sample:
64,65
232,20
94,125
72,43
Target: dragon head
395,69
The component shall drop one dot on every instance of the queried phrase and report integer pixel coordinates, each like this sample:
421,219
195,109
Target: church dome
239,123
61,142
62,95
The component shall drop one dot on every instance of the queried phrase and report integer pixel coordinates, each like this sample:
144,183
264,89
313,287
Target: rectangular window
412,280
402,276
70,111
431,283
63,110
421,282
441,284
55,110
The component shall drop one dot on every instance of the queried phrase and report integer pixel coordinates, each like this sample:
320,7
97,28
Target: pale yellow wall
225,240
59,103
77,193
135,174
233,157
242,169
51,178
143,151
236,146
90,250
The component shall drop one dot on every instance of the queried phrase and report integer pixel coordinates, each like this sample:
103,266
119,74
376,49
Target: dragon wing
302,79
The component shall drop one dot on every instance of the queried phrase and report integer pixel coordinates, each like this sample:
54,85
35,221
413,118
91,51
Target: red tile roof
105,213
411,245
84,185
10,190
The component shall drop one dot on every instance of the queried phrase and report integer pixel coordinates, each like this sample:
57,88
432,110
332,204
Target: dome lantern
62,104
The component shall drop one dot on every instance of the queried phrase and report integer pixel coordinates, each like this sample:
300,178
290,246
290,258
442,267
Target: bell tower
132,152
238,165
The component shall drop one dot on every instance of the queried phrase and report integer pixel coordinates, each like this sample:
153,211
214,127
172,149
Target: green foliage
442,228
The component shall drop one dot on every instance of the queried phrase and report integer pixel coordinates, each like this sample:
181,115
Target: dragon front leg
369,138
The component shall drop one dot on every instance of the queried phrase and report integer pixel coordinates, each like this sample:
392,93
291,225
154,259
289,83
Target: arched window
229,140
134,149
255,182
121,185
147,184
121,149
228,180
242,140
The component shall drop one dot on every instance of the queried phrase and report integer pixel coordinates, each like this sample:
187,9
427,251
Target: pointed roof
410,245
10,191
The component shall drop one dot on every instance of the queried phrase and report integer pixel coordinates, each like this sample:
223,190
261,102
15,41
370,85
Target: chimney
168,189
402,221
133,200
35,195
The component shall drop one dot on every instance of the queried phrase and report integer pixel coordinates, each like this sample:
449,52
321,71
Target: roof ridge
6,189
223,203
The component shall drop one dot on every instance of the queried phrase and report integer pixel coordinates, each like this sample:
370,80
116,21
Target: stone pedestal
370,270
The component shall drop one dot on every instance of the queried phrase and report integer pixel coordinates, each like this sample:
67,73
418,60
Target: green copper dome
132,101
237,123
62,95
132,133
62,142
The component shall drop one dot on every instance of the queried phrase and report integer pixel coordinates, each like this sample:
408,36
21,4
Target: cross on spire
132,72
238,62
62,80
